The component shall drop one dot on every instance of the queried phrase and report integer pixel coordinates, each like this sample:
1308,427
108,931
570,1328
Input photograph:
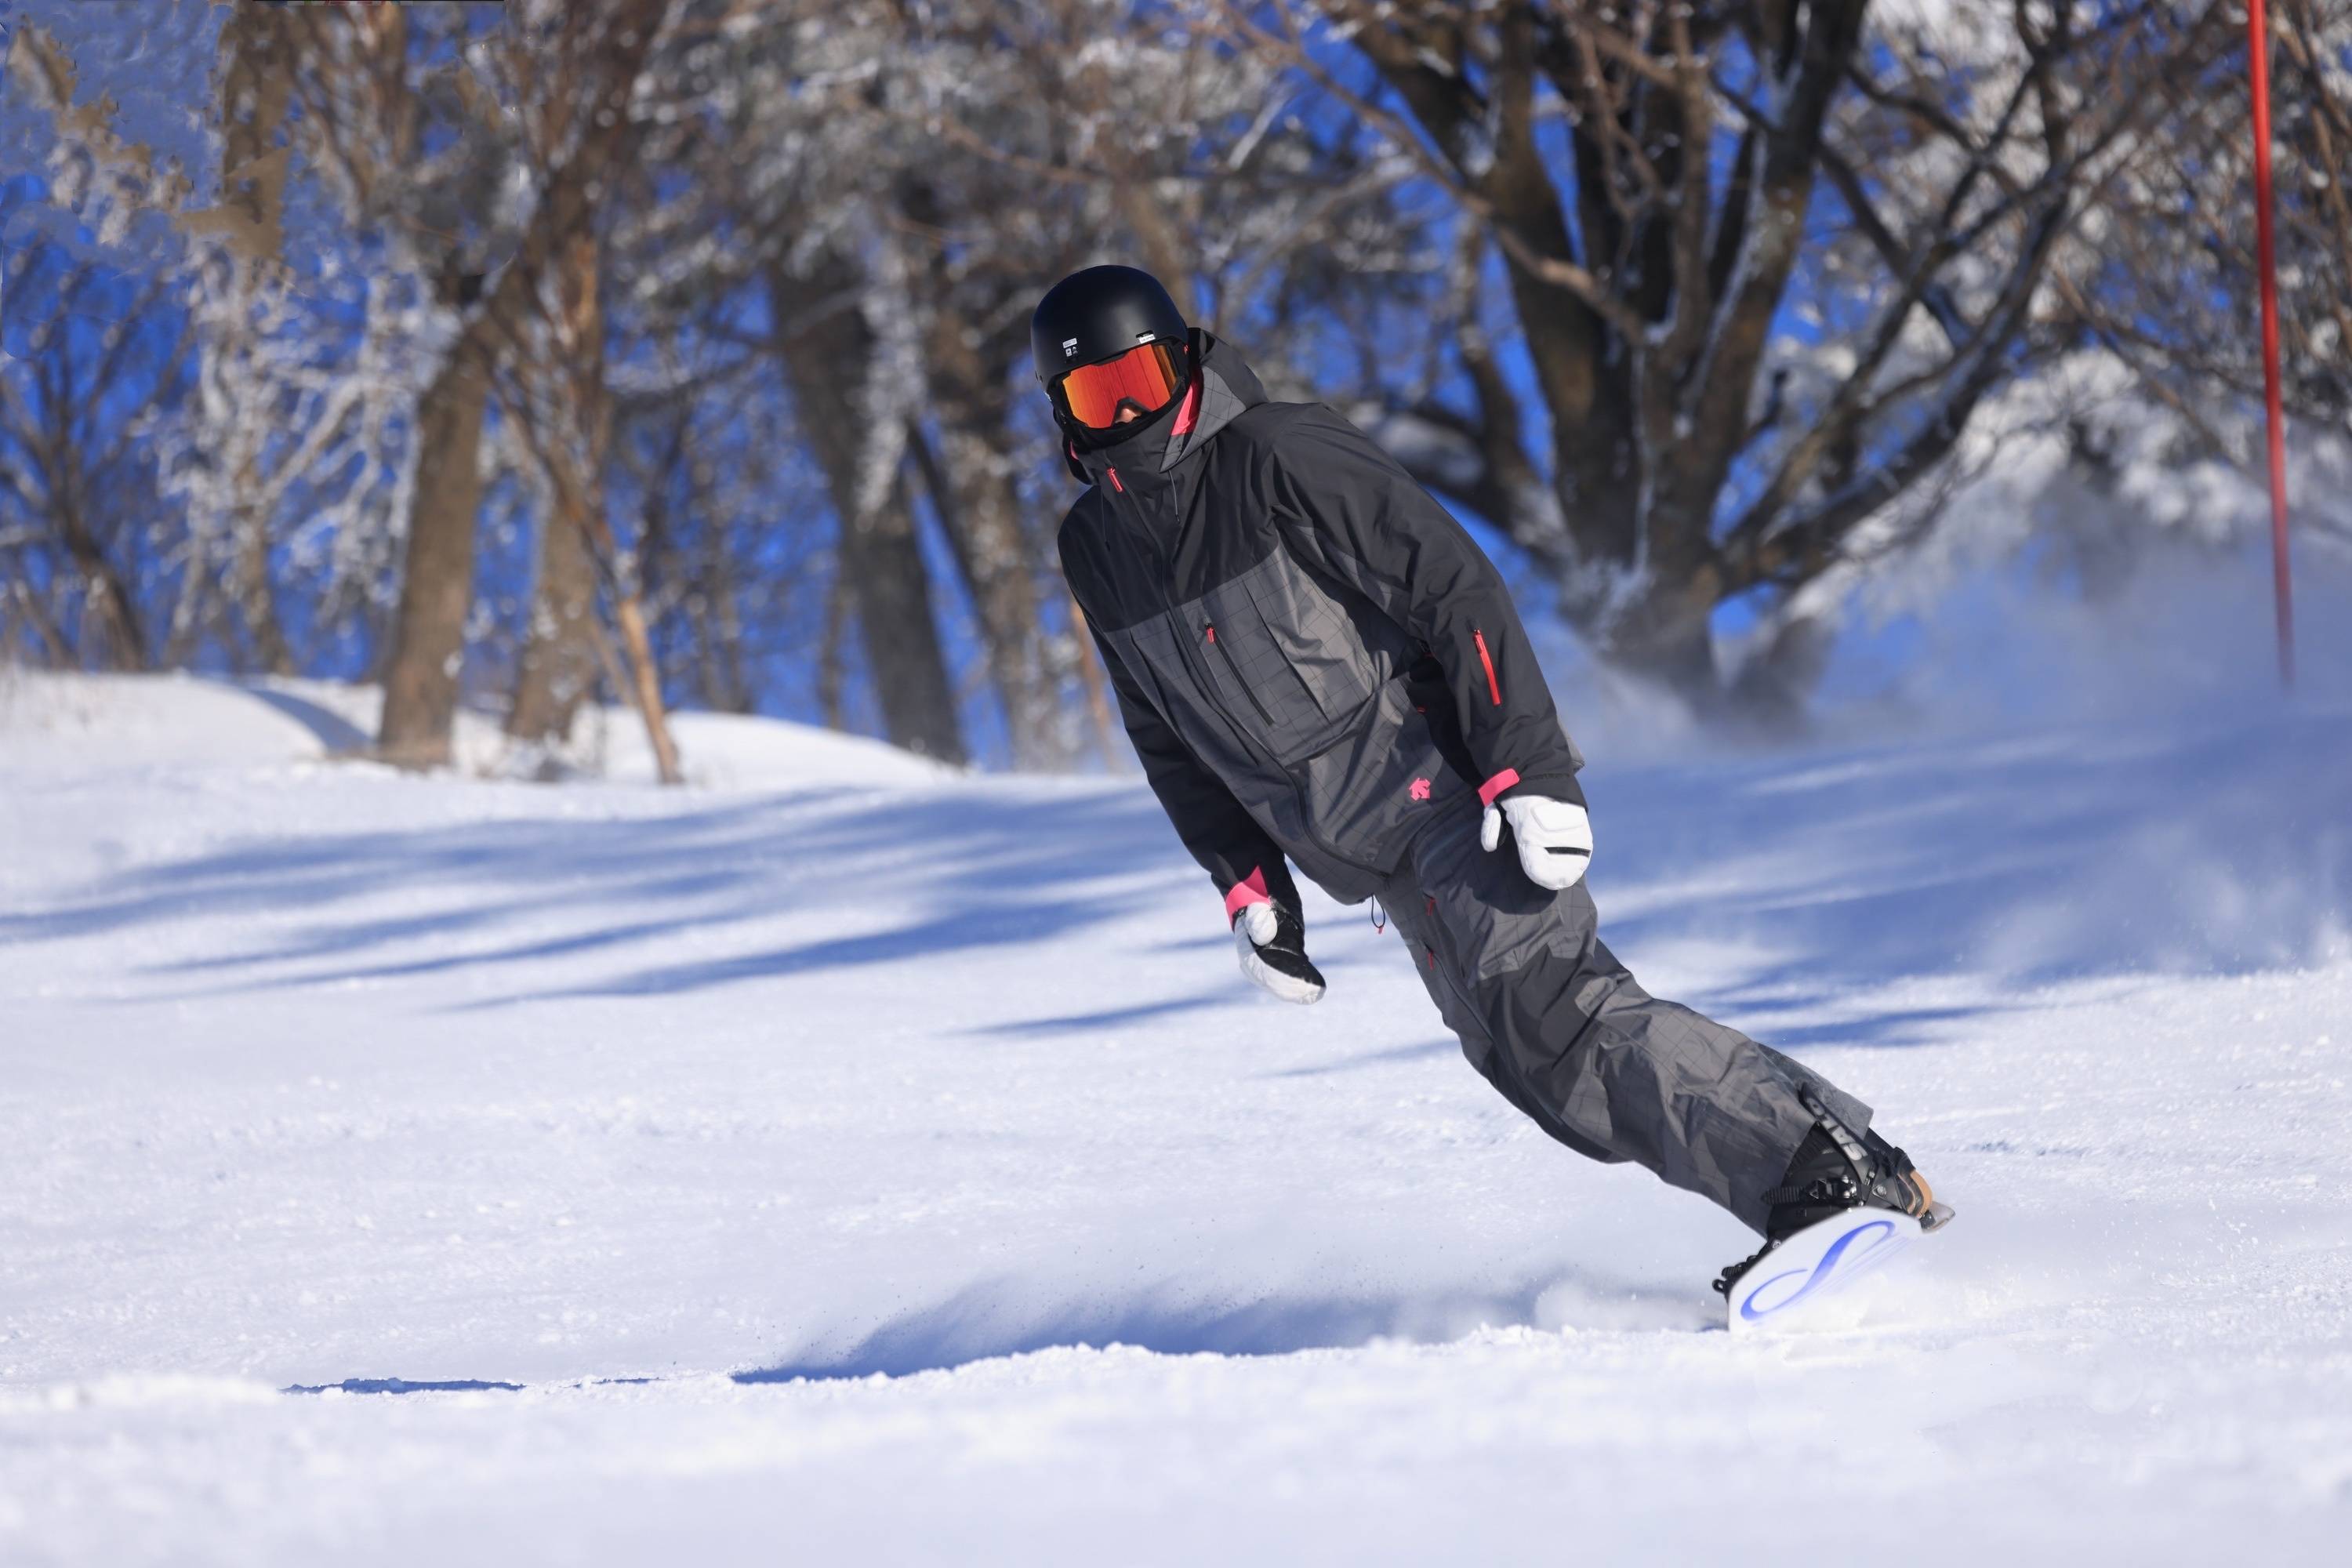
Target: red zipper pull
1212,631
1113,478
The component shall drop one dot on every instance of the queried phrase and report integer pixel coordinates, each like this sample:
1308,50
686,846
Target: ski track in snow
842,1161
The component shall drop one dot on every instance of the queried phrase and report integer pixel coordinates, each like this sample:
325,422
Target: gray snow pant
1546,1013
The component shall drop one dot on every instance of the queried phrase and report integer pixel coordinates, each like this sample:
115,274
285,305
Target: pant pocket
1414,914
1491,919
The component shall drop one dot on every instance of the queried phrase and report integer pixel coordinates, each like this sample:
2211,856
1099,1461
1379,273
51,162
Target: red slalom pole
2257,52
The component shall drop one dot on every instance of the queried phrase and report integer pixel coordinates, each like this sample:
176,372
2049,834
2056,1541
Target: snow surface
851,1160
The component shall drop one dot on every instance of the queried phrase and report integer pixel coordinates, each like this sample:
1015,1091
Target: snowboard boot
1834,1171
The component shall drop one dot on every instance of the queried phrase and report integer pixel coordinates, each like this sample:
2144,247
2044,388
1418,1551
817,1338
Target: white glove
1273,948
1554,837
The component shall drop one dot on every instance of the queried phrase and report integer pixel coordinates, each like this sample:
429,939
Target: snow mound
75,721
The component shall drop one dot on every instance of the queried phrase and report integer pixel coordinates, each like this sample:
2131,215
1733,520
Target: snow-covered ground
846,1161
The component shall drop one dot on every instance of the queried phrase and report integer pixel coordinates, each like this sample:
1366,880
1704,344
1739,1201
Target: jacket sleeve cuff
1250,889
1551,785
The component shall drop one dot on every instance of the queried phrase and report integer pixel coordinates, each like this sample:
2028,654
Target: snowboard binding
1846,1203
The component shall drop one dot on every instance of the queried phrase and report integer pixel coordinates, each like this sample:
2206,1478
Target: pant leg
1550,1017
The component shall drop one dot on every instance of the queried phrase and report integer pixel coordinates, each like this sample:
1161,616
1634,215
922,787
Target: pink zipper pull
1113,478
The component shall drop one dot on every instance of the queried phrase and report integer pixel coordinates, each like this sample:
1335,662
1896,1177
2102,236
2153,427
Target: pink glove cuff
1250,889
1497,785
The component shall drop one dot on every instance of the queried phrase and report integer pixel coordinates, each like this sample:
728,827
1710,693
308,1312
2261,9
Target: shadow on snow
975,1324
2037,859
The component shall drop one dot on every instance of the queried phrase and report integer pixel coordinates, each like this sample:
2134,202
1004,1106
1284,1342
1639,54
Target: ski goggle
1147,375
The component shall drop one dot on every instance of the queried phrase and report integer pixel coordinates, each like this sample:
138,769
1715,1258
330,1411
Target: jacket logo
1420,790
1070,348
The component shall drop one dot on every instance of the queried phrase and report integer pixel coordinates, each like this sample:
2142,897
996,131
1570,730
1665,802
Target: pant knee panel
1549,1016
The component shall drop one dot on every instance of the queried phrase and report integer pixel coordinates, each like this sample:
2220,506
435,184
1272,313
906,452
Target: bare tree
716,310
876,200
526,177
80,514
2175,284
706,456
853,419
366,111
558,398
998,150
781,237
1722,166
81,528
237,254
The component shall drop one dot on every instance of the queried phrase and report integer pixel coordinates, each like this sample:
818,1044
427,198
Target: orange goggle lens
1147,375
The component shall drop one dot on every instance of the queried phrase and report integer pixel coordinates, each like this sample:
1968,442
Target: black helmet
1100,314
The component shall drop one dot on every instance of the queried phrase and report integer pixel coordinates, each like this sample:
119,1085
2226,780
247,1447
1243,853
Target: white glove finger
1258,923
1552,868
1490,830
1555,840
1288,987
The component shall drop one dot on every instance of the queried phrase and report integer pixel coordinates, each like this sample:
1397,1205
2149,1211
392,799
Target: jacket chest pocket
1283,657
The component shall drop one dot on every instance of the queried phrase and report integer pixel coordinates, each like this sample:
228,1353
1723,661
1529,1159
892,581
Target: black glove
1272,942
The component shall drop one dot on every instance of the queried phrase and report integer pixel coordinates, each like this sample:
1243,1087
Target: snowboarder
1317,665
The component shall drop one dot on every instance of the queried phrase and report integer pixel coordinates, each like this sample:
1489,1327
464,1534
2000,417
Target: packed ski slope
846,1161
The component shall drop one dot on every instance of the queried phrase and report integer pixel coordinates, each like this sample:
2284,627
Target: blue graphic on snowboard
1817,1262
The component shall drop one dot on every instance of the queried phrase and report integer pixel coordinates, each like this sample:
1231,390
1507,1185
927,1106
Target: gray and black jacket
1312,658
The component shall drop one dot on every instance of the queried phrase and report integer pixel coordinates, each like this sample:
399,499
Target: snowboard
1812,1266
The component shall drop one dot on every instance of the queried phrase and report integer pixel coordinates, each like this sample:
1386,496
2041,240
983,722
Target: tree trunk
108,598
645,686
882,560
726,682
1774,688
437,589
1665,634
421,686
832,677
644,683
257,601
558,664
829,364
1670,652
558,655
971,482
255,92
980,508
1100,719
55,653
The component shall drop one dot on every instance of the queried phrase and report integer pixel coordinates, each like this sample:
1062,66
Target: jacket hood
1222,389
